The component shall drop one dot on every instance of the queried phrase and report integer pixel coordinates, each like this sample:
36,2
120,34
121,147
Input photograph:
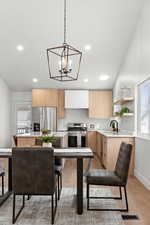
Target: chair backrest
33,171
123,162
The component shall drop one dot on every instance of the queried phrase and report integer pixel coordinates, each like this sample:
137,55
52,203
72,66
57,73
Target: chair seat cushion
2,172
103,177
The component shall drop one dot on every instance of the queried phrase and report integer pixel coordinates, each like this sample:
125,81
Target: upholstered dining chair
58,165
2,174
117,178
33,173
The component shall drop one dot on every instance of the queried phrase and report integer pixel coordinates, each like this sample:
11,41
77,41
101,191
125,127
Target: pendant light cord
65,21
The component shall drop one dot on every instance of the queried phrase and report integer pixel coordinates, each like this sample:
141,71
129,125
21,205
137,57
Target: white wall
135,68
5,106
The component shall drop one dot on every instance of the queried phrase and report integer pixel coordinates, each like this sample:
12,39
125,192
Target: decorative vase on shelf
47,145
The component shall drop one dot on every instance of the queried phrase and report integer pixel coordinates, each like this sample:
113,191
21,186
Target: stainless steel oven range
77,134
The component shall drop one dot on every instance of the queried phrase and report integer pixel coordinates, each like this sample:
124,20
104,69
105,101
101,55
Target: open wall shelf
123,101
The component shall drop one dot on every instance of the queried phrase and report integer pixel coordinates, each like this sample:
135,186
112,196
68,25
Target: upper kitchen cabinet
61,104
76,99
44,97
100,104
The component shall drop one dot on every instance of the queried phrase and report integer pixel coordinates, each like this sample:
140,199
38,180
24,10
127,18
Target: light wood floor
138,195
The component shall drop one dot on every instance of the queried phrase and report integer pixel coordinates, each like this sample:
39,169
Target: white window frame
140,135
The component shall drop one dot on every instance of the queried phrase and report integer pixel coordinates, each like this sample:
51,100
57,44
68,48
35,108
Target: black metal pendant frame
64,52
61,51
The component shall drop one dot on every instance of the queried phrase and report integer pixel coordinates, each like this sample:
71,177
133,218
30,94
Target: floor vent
130,217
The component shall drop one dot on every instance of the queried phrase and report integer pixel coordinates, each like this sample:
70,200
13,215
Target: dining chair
2,174
117,178
58,165
33,173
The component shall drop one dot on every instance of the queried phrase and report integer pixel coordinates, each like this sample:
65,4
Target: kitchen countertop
62,134
108,133
39,134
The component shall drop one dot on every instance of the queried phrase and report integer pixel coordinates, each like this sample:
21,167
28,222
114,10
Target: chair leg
61,181
58,186
2,185
14,218
87,195
120,193
53,210
28,197
126,199
120,209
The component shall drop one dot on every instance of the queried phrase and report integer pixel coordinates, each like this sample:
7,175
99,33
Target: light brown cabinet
61,104
91,140
110,151
100,104
99,145
25,141
44,97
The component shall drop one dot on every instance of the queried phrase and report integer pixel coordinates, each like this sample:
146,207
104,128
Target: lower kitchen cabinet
110,151
61,142
99,145
25,141
91,140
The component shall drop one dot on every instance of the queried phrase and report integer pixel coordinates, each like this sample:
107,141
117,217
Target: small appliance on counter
77,134
91,126
36,127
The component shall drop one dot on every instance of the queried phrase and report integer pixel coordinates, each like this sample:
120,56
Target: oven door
83,141
72,141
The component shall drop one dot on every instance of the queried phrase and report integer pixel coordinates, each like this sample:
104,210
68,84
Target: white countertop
108,133
39,134
73,150
62,134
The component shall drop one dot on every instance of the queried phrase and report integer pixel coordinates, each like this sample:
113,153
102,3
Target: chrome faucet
115,125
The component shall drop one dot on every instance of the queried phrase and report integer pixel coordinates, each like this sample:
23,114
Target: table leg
8,193
10,174
80,186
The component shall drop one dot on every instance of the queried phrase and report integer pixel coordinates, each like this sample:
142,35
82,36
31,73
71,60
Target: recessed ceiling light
87,47
86,80
104,77
35,80
20,48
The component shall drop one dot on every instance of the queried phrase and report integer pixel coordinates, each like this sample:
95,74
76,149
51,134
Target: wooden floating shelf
125,115
123,101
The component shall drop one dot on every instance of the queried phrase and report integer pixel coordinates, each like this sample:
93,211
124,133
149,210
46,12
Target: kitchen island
29,139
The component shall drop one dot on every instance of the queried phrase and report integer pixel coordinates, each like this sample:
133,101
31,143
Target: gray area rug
37,210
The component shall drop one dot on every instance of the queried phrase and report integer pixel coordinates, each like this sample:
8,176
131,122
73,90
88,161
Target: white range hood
76,99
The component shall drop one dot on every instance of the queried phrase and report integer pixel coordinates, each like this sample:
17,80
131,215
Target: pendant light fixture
64,61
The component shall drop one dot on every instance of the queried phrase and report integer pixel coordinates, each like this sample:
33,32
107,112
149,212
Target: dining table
67,153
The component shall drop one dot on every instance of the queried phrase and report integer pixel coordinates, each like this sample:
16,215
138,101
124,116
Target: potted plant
122,111
47,141
45,132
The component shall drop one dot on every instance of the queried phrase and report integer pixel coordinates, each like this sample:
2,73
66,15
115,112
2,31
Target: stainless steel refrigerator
44,118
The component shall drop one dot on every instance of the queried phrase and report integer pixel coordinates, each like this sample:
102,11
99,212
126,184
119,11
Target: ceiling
107,25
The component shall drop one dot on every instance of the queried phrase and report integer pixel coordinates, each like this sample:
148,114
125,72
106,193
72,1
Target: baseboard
142,179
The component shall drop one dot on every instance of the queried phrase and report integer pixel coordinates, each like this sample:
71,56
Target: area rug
37,210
